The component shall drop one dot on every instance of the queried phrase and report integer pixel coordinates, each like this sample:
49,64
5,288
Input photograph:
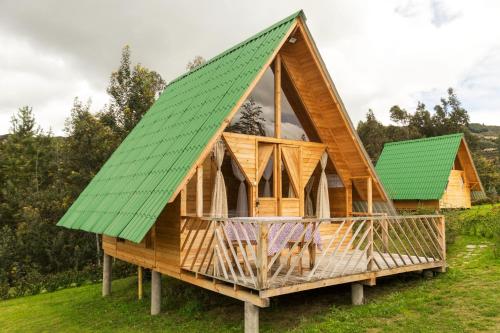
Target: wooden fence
262,254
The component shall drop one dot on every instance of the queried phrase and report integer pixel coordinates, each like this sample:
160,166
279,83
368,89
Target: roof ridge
240,44
430,138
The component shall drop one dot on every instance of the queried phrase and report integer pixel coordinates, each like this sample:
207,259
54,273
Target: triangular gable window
256,114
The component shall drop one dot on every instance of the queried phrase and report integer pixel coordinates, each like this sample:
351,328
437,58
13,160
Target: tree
489,173
133,90
250,121
421,121
23,123
373,134
449,117
197,61
89,144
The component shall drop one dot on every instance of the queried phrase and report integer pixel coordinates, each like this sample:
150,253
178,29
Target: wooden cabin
247,178
431,173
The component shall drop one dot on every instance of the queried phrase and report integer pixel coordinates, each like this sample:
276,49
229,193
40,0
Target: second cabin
431,173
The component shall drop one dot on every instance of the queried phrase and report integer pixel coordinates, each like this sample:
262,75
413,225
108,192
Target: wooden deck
354,262
238,253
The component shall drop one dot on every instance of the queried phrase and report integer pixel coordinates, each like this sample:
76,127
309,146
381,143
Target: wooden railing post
385,233
262,255
199,191
370,246
312,247
442,241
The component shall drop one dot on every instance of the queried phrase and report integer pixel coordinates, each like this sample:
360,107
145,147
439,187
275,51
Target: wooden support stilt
277,96
357,296
155,292
251,318
139,282
106,275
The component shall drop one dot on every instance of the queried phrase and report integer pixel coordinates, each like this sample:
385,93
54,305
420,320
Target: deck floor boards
352,262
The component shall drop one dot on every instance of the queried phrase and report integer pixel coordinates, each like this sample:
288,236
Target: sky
379,53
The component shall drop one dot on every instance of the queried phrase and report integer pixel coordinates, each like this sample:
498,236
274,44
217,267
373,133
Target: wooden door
267,198
290,190
279,193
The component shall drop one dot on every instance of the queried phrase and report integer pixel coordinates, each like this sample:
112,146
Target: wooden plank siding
457,194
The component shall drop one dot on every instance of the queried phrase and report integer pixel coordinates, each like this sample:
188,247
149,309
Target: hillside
458,301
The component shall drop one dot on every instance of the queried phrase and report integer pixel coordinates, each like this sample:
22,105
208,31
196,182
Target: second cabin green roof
418,169
127,195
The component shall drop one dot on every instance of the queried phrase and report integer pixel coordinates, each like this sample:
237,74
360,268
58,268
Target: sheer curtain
309,203
267,174
242,201
322,200
219,197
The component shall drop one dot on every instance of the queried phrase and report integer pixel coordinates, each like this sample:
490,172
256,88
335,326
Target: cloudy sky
379,53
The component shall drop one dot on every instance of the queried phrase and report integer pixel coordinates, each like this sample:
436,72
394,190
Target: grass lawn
466,298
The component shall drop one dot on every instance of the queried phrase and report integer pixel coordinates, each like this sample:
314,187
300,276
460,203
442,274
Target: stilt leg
106,275
139,282
155,292
251,318
357,295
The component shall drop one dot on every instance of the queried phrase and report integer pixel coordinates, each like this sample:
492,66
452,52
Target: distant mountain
485,130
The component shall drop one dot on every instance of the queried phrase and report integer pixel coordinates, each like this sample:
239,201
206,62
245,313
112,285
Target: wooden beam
347,279
304,31
199,191
139,282
184,201
277,96
262,256
225,289
369,195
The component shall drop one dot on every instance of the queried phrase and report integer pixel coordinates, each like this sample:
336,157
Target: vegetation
458,301
448,117
479,221
41,175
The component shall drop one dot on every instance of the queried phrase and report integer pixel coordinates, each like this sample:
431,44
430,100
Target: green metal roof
418,169
127,195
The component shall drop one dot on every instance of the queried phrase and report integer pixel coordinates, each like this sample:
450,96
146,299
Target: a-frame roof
419,169
159,155
127,195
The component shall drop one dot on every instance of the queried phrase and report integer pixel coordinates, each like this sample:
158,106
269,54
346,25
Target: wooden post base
106,275
357,294
251,318
155,292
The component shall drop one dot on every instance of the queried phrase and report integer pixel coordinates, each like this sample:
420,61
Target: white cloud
379,53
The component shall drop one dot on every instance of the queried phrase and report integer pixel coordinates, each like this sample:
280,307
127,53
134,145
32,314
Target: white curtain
268,172
242,201
309,202
322,200
291,192
219,197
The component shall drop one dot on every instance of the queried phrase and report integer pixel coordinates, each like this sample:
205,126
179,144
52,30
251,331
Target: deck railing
274,252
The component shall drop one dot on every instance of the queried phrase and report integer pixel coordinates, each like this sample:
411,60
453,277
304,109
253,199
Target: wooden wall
416,204
209,170
161,251
457,194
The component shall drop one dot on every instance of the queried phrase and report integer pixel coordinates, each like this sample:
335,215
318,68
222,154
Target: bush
481,221
31,282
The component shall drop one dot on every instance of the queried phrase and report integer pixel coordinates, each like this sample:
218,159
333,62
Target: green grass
465,299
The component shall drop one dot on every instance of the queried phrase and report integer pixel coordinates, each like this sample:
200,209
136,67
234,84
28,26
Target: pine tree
251,120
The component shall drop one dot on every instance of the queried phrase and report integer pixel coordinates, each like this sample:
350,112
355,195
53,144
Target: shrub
481,221
29,281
